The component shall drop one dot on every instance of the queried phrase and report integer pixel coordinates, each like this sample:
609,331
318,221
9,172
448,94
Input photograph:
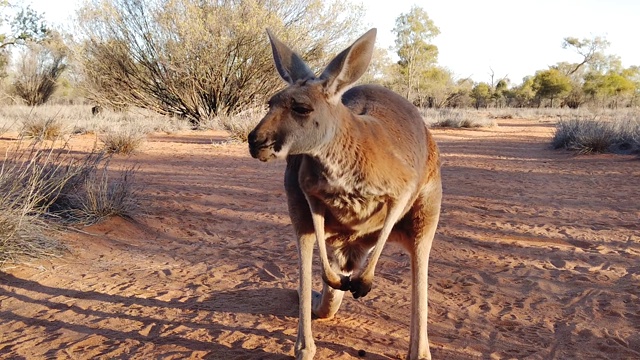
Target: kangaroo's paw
359,287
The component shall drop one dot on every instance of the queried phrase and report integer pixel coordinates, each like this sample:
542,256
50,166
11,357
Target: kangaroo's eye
301,109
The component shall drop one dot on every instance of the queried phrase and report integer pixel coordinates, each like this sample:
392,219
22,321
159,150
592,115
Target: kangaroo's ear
348,66
290,66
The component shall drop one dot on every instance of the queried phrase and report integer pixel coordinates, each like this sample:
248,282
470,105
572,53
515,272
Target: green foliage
25,24
598,79
521,95
592,51
414,31
551,84
617,84
481,93
380,68
612,85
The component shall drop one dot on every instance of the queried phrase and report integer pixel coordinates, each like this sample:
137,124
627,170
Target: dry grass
122,141
239,126
98,194
621,135
78,119
43,187
42,128
456,118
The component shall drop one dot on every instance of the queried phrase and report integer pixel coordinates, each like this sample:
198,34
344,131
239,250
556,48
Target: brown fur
359,171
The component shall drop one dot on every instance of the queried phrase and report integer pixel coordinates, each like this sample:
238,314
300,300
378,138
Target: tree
37,70
591,50
611,87
379,68
499,91
198,59
461,95
618,86
633,74
481,93
24,25
414,31
437,89
521,95
551,84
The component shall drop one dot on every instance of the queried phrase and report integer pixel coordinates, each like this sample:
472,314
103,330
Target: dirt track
537,257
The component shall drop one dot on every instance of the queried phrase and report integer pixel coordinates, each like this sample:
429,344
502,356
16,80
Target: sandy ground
537,257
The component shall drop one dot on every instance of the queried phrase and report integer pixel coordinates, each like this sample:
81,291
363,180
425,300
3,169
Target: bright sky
513,37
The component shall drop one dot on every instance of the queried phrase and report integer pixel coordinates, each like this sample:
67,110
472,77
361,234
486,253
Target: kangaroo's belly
354,213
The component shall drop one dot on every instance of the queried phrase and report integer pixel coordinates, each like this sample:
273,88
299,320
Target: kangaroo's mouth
265,151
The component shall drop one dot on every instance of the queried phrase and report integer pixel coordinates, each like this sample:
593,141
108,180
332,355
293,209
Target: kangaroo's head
304,116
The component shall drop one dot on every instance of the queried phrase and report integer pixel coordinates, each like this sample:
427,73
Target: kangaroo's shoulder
369,99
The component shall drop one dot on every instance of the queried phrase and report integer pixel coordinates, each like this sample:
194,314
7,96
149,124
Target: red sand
537,257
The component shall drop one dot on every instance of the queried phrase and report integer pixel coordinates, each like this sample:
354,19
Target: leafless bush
39,67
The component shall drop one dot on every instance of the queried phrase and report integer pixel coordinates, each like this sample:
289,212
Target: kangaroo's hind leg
327,303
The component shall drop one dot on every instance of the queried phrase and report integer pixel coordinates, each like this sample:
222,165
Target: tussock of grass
457,118
239,126
122,141
78,119
42,128
22,236
598,136
98,194
40,185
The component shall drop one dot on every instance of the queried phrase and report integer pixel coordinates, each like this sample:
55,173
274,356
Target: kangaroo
362,168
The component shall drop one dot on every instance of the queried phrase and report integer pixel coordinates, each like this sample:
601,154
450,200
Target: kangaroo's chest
350,203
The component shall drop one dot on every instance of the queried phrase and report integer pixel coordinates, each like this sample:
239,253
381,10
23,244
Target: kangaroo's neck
343,157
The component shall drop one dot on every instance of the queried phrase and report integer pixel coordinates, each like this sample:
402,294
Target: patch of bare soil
537,257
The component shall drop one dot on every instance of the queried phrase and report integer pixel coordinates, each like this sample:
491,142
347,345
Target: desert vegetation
617,135
174,65
43,187
46,185
158,236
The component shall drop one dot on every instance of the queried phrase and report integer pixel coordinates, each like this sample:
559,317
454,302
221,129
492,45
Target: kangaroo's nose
252,137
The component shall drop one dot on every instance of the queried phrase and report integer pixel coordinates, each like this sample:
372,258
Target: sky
514,38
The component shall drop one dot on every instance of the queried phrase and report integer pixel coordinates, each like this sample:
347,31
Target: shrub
41,184
453,118
239,126
124,141
43,128
598,136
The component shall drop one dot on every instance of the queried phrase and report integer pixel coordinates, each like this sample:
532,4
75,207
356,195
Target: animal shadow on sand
282,304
